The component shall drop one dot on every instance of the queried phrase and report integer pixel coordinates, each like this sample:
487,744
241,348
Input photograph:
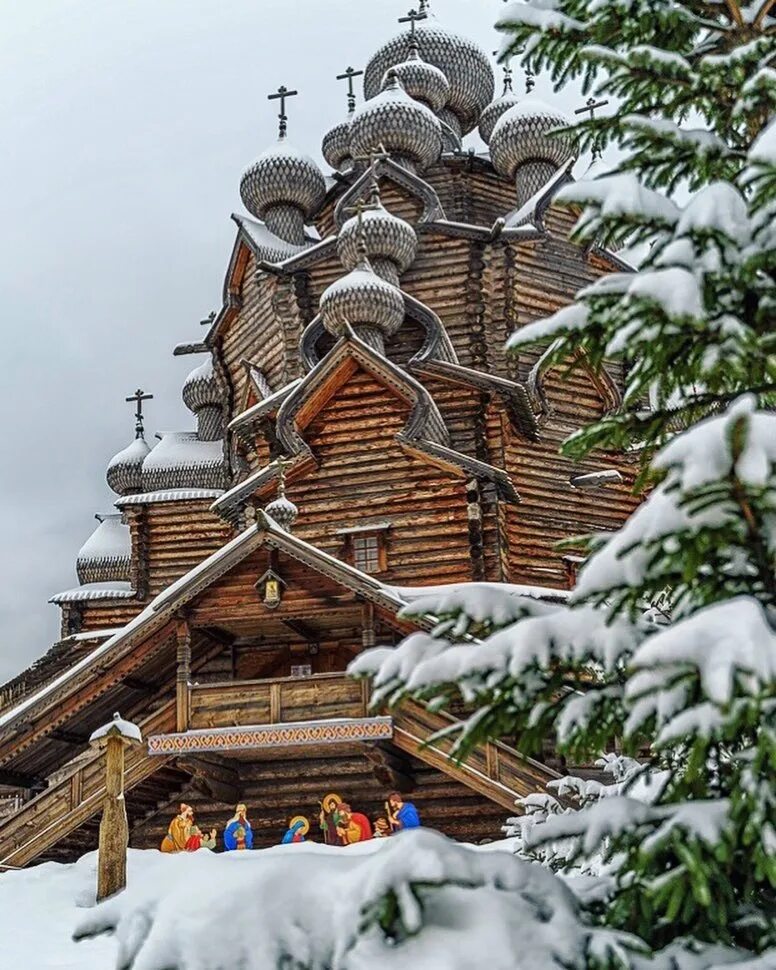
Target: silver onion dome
423,81
335,147
202,395
521,146
201,388
390,243
392,120
105,556
124,474
491,115
283,187
372,306
465,65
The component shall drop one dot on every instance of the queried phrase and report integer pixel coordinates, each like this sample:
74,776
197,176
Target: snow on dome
283,511
407,129
106,554
465,65
491,115
117,727
182,460
335,146
201,388
124,469
521,135
422,81
364,301
386,237
283,187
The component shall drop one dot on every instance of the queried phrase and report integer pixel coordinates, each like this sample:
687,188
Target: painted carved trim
263,736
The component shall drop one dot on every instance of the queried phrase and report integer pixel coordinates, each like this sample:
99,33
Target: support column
183,675
368,625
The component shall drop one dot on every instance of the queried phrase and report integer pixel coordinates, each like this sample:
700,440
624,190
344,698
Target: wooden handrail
266,681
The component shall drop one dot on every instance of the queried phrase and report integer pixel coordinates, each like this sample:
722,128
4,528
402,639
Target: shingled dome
124,474
465,65
201,388
106,554
521,146
423,81
335,146
372,306
283,187
407,129
491,115
390,243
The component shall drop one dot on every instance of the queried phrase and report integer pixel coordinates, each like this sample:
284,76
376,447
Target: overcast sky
125,127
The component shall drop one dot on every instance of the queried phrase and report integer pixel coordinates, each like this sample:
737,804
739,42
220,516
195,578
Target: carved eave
246,424
325,249
388,169
533,210
436,345
317,387
602,380
513,395
424,434
485,234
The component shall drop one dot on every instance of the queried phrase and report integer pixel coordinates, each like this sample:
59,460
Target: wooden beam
139,685
183,674
301,629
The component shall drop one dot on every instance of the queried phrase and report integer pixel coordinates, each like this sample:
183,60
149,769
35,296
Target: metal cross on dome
592,106
349,74
413,17
138,397
281,95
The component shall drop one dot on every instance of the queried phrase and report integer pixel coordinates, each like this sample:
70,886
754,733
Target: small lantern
270,588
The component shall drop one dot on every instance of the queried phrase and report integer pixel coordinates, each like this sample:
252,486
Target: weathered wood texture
365,475
180,535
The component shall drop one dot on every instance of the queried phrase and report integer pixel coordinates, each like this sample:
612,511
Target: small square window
301,670
366,553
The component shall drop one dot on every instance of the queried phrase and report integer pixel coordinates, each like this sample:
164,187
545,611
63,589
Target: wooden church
361,434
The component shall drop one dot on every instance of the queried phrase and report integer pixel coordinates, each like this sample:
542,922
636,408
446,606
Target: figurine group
340,825
184,835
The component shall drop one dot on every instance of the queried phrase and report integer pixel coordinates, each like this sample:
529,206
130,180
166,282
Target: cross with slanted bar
592,106
138,397
412,18
281,94
349,75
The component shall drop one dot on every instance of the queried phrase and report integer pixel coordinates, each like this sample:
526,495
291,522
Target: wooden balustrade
279,701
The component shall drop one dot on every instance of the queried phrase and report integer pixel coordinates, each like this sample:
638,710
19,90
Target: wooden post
183,675
115,736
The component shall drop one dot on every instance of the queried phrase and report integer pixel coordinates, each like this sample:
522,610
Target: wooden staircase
76,797
494,771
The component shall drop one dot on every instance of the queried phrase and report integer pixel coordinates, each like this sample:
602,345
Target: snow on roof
183,449
95,591
170,495
110,540
134,453
266,404
191,579
269,245
117,727
93,635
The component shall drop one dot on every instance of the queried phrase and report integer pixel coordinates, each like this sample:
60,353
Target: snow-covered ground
298,905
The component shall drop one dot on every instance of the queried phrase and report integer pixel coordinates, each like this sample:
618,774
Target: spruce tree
668,644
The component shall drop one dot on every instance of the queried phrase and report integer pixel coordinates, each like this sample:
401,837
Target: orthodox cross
413,17
138,397
349,75
592,106
208,321
529,74
507,69
360,208
281,95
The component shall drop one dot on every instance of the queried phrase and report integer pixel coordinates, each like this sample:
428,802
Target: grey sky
125,127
